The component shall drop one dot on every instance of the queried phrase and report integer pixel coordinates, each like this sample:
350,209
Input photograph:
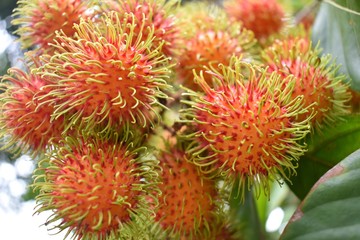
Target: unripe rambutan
316,78
38,20
152,17
245,126
105,75
211,44
263,17
96,187
195,15
189,205
24,121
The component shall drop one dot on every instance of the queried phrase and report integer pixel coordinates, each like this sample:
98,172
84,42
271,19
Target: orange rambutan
244,127
107,76
96,187
189,204
263,17
211,44
25,123
152,17
316,78
38,20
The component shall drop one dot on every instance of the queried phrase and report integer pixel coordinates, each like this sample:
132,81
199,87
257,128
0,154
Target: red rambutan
245,126
25,123
106,76
189,204
97,188
263,17
38,20
316,78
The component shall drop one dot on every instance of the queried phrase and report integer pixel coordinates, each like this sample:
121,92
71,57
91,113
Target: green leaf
326,149
331,210
339,34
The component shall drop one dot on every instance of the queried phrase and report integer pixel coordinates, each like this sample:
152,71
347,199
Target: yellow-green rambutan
106,75
25,124
317,77
194,15
38,20
244,127
97,188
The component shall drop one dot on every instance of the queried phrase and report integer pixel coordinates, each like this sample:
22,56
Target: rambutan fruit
317,78
152,17
25,123
96,187
355,101
194,15
189,205
263,17
213,43
106,76
38,20
244,127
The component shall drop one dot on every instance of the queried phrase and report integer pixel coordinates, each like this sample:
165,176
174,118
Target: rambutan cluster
143,115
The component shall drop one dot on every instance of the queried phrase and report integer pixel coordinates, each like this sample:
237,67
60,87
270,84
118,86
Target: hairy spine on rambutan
211,43
158,17
38,20
25,123
107,75
245,126
317,78
97,187
190,204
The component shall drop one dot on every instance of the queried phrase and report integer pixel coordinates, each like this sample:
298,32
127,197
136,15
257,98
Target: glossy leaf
339,34
326,149
331,209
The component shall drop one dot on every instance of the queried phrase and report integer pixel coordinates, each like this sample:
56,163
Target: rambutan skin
263,17
188,207
25,123
104,78
245,126
317,78
97,187
38,20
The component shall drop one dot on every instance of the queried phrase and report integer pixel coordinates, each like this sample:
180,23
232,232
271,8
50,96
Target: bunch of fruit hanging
145,115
